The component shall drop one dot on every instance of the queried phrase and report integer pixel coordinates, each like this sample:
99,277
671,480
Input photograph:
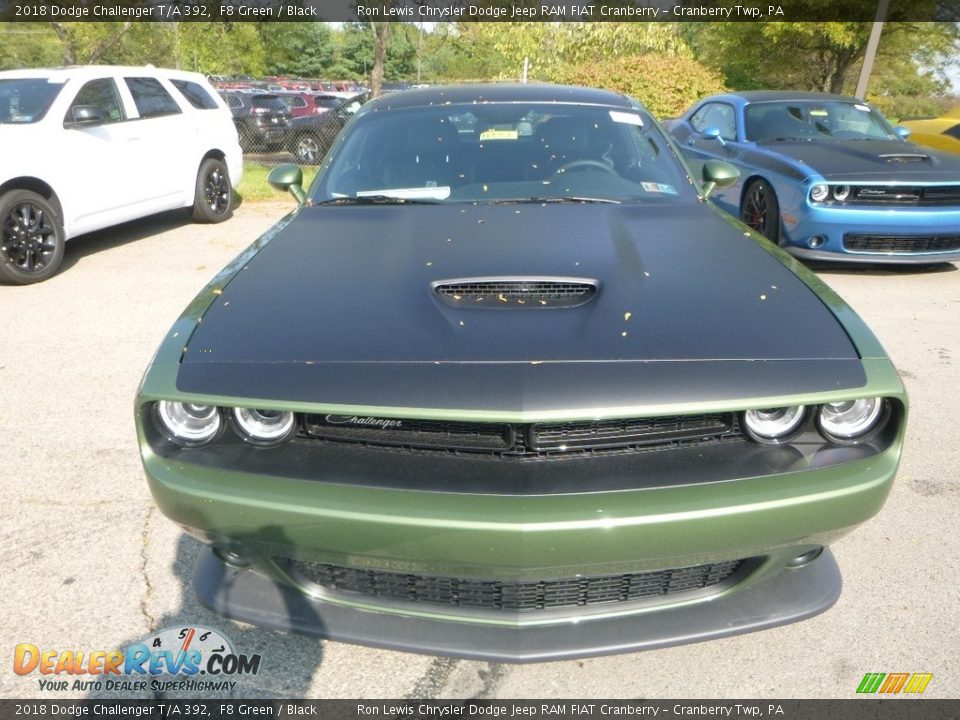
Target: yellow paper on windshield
494,134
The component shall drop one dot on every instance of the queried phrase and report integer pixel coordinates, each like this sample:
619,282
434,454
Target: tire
31,238
307,149
213,197
761,211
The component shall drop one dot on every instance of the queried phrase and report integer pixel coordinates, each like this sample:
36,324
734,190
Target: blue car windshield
504,152
803,120
26,100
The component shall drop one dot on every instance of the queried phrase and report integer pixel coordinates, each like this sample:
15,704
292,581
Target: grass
254,186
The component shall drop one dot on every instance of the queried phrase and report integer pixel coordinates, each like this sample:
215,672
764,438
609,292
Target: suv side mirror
288,178
85,115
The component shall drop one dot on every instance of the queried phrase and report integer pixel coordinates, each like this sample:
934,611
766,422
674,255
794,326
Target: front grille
516,292
522,596
520,441
899,244
905,195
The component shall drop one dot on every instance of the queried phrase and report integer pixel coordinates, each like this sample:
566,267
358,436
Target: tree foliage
667,85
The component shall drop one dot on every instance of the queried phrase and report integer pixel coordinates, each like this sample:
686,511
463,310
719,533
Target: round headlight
841,192
773,424
264,427
818,193
189,423
850,419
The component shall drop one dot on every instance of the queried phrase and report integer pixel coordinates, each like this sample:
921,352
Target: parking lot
90,564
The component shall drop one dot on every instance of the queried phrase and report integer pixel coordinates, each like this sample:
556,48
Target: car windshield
505,152
26,100
799,120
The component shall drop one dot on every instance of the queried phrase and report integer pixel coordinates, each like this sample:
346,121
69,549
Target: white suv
83,148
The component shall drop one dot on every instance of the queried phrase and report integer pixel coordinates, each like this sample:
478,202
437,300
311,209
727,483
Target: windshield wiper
556,199
376,200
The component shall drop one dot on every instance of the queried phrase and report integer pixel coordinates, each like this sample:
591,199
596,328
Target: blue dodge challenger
827,177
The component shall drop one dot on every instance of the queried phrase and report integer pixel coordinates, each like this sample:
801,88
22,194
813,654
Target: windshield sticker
862,108
627,118
494,134
417,193
819,113
659,188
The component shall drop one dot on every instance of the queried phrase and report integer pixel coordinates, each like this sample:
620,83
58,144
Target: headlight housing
189,424
819,193
841,192
773,425
264,427
850,419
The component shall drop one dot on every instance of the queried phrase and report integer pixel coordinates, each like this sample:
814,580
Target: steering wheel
577,164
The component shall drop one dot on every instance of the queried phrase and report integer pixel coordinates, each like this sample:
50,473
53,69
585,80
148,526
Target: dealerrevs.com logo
186,658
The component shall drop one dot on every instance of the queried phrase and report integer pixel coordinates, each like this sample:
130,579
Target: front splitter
780,598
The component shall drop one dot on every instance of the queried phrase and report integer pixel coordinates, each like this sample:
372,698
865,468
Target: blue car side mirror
901,132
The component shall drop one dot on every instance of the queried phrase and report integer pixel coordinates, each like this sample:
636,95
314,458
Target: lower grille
900,244
525,596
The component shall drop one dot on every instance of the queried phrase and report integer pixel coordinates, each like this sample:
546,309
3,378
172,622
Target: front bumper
785,597
830,225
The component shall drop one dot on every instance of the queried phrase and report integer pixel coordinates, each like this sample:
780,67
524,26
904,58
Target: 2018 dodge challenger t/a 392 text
505,386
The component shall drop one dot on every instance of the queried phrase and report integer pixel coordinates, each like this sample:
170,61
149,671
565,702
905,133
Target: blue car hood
886,160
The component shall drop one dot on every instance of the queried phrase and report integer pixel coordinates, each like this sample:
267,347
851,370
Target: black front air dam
778,599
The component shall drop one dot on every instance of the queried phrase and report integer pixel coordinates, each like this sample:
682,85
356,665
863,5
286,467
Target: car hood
889,160
339,307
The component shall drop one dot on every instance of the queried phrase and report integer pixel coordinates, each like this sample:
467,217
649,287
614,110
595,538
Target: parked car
309,103
942,133
517,393
262,119
311,136
85,148
827,177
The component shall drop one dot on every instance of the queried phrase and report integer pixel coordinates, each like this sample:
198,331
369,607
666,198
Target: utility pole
871,52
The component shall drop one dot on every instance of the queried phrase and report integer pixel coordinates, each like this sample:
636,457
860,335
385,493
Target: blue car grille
904,195
524,595
901,245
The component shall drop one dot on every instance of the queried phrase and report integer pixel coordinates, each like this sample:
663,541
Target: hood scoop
516,292
905,157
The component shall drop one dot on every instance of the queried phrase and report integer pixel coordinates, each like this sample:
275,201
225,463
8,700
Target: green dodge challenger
505,386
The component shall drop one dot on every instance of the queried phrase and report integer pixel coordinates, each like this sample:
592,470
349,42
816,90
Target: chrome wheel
308,150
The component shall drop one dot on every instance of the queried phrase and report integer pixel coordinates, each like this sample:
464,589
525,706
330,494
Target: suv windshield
26,100
505,152
798,120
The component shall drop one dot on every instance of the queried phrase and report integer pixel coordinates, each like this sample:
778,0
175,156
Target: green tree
301,49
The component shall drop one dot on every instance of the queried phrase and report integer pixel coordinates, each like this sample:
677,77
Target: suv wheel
307,149
213,200
31,238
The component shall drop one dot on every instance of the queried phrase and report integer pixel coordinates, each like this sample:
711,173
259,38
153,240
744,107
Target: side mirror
288,178
711,133
902,132
85,115
717,173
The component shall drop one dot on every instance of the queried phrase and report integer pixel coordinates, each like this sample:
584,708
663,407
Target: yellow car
942,133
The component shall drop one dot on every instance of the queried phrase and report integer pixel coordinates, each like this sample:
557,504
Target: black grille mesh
529,595
525,440
905,195
900,244
515,293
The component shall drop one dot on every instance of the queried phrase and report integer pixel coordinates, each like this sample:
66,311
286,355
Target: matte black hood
889,160
339,308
